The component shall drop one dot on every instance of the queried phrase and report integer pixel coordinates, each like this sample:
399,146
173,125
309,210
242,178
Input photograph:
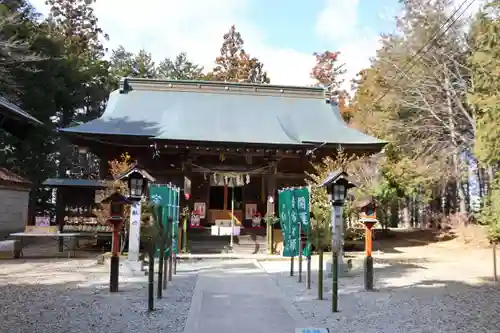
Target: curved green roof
223,112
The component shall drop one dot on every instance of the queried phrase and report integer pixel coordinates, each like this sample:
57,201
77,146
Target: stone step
222,247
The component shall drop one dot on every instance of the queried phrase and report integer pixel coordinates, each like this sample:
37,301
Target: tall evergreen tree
484,97
236,65
180,69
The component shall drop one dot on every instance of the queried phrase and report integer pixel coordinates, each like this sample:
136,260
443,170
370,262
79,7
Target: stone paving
419,290
72,295
239,296
417,293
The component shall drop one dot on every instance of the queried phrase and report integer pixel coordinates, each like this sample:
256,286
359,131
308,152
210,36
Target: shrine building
235,143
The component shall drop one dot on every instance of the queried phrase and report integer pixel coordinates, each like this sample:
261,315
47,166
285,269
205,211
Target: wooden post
60,211
103,167
271,193
226,195
115,259
369,258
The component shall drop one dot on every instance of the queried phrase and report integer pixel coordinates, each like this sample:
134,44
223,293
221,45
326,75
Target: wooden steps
250,241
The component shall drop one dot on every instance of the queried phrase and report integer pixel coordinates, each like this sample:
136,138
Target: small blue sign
311,330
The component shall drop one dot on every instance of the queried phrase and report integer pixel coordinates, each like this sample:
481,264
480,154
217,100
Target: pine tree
236,65
180,69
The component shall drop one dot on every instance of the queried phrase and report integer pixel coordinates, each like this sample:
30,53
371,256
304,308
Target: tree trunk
462,200
406,214
480,180
491,179
394,214
444,200
456,155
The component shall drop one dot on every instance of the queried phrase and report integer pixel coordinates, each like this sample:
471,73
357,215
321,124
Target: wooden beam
214,150
284,175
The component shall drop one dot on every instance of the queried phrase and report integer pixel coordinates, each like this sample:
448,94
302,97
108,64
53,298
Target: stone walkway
238,296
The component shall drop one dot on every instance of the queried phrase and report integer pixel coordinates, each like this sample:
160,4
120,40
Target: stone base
344,268
133,268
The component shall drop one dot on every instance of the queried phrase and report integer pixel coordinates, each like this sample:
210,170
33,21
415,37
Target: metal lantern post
337,184
138,180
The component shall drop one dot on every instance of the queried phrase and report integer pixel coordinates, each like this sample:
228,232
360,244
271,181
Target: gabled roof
336,176
116,197
10,178
202,111
70,182
136,169
16,121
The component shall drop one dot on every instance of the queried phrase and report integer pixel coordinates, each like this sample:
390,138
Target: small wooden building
14,189
14,200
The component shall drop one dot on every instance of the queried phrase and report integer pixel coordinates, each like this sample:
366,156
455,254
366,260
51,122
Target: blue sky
293,23
282,34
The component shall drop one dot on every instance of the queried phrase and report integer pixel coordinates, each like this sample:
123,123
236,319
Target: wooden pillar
60,212
271,187
226,194
103,167
263,189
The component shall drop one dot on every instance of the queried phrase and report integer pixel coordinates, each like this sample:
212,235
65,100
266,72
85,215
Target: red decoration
187,196
369,225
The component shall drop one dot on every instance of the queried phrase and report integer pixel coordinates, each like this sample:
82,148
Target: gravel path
72,296
415,295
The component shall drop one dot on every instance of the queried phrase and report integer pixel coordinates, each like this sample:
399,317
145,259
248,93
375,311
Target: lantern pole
369,223
336,215
115,259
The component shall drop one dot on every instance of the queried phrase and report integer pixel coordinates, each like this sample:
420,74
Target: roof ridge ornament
140,83
124,85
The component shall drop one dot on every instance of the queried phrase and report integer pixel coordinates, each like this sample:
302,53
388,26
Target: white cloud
338,23
338,19
168,27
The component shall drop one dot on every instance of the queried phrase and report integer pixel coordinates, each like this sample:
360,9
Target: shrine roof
203,111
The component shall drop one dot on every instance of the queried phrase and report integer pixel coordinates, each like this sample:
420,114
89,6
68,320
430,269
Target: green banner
175,219
166,196
289,223
302,202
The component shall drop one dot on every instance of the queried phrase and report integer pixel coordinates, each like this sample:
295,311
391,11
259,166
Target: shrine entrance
224,202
